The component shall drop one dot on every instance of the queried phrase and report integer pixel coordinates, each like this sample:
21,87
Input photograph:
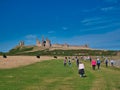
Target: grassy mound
52,75
30,51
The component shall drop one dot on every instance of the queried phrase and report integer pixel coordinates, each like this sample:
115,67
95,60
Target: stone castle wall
66,46
38,43
21,43
44,43
47,44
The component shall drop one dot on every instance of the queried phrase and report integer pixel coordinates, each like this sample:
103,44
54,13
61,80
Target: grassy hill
52,75
36,51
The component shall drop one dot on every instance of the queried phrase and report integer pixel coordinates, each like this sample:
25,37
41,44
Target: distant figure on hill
69,61
73,58
106,62
98,63
65,61
81,57
81,69
93,62
77,61
90,58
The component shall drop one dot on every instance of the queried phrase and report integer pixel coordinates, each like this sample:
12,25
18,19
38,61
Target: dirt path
17,61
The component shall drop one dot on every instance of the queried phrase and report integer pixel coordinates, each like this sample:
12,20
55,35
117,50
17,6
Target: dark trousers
93,66
106,64
98,64
77,64
64,64
81,72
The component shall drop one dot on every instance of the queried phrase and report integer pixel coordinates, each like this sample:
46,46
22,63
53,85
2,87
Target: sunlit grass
52,75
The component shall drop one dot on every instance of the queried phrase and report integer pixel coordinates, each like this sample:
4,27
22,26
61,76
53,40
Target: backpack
98,61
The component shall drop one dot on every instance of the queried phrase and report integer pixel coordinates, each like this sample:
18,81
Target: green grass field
52,75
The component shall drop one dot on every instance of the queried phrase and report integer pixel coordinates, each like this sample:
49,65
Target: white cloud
107,8
107,40
100,27
64,28
111,1
98,23
110,8
54,37
30,36
89,10
93,19
50,32
30,39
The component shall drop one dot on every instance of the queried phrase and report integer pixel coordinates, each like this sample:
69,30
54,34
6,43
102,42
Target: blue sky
76,22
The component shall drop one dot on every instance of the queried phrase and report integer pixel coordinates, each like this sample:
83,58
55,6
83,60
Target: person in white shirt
81,69
112,62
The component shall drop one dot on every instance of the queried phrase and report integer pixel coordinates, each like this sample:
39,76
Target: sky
75,22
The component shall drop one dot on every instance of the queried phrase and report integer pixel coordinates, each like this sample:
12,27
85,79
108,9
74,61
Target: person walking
98,63
81,69
90,59
69,61
112,62
106,62
77,61
65,61
93,62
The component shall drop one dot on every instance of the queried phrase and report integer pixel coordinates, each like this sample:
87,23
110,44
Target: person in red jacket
65,61
93,62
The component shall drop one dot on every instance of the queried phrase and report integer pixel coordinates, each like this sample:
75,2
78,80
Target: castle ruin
21,43
47,44
44,43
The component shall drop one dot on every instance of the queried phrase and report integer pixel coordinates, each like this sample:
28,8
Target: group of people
68,60
98,62
111,62
94,63
81,68
79,64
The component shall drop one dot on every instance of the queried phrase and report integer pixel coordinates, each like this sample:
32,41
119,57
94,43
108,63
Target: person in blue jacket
98,63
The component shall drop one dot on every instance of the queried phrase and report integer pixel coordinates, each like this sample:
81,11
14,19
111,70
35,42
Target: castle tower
66,45
38,43
43,42
86,45
48,43
21,43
